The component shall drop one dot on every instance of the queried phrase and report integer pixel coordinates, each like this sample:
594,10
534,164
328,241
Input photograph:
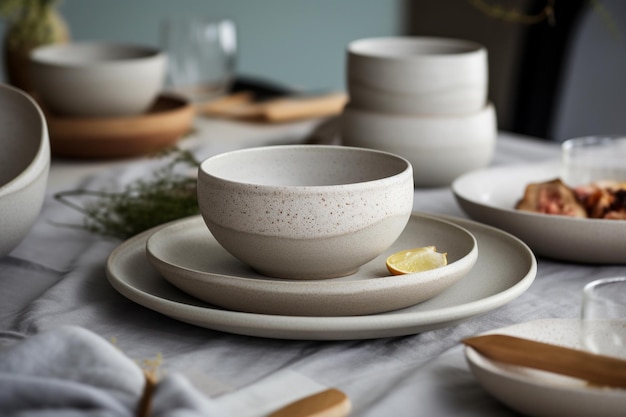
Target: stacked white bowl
424,99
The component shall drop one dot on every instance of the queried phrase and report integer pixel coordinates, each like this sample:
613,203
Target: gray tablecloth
56,277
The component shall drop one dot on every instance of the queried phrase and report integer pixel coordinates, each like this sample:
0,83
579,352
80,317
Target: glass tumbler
593,158
603,316
201,56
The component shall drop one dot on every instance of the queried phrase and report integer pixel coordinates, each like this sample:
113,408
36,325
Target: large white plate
538,393
489,196
505,268
188,256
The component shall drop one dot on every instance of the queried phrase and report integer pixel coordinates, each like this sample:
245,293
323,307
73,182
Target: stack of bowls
424,99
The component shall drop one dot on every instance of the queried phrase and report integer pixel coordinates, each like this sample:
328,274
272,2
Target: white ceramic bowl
439,148
24,165
417,75
96,79
305,211
489,196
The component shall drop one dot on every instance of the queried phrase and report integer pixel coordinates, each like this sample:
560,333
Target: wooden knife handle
300,108
243,106
329,403
596,369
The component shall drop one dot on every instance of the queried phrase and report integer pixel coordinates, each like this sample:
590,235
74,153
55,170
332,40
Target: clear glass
201,56
593,158
603,316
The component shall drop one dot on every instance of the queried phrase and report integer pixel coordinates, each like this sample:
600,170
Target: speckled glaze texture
305,212
24,165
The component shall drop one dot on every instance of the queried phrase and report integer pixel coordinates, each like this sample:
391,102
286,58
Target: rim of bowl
413,48
93,53
407,168
41,158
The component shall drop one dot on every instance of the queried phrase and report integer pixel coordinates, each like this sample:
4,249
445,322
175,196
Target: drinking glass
604,316
201,56
593,158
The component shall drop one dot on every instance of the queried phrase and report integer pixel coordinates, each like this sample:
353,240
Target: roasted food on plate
598,200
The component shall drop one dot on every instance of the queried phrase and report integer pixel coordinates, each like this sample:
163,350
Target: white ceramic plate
505,268
489,196
538,393
189,257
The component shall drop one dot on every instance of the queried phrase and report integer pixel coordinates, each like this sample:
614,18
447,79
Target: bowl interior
20,135
408,48
90,53
303,165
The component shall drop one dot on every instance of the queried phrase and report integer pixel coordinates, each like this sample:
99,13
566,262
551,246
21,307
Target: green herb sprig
168,195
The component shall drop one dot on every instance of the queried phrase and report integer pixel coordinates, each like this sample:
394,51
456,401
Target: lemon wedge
416,260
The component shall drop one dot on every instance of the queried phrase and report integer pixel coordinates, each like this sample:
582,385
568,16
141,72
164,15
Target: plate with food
584,224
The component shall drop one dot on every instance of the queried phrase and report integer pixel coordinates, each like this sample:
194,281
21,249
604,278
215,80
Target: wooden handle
329,403
224,104
243,106
300,108
596,369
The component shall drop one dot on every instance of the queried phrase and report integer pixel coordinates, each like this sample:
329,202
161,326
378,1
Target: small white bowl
96,79
417,75
24,165
440,148
305,211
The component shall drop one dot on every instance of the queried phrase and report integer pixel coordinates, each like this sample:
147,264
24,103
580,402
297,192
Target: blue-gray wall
298,42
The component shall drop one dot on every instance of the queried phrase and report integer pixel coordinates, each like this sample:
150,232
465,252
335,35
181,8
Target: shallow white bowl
417,75
97,79
440,148
537,393
305,211
24,165
489,196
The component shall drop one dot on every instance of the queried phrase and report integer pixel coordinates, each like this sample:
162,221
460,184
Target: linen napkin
71,371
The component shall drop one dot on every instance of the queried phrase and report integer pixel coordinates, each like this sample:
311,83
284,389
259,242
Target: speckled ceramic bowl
24,165
305,211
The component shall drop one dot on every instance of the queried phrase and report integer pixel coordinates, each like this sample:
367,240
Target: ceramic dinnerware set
424,99
304,230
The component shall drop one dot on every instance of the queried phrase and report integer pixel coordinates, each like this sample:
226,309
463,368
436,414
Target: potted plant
29,24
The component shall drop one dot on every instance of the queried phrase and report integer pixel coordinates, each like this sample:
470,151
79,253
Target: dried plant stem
165,196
